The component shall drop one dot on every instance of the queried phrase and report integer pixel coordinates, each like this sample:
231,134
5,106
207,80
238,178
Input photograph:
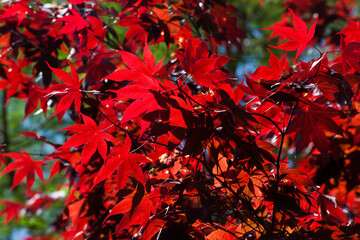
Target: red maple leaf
351,31
195,60
18,11
221,234
144,87
350,55
180,112
271,73
133,213
299,36
11,210
143,72
146,100
70,89
154,226
329,209
15,78
92,136
124,162
73,22
98,31
310,124
35,96
71,159
26,167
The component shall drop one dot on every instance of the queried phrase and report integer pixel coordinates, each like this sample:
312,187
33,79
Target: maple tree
179,147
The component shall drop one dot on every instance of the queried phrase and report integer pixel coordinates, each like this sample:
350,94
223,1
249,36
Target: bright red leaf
133,215
205,70
299,36
146,100
91,135
143,72
18,11
73,22
69,90
144,86
272,73
124,162
26,167
11,210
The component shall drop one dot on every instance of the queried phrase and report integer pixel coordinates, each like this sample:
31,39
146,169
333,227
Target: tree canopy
180,119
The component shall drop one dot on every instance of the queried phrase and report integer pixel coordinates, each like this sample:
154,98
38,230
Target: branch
4,126
277,180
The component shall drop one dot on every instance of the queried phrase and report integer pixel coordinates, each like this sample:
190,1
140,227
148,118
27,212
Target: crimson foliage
177,148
